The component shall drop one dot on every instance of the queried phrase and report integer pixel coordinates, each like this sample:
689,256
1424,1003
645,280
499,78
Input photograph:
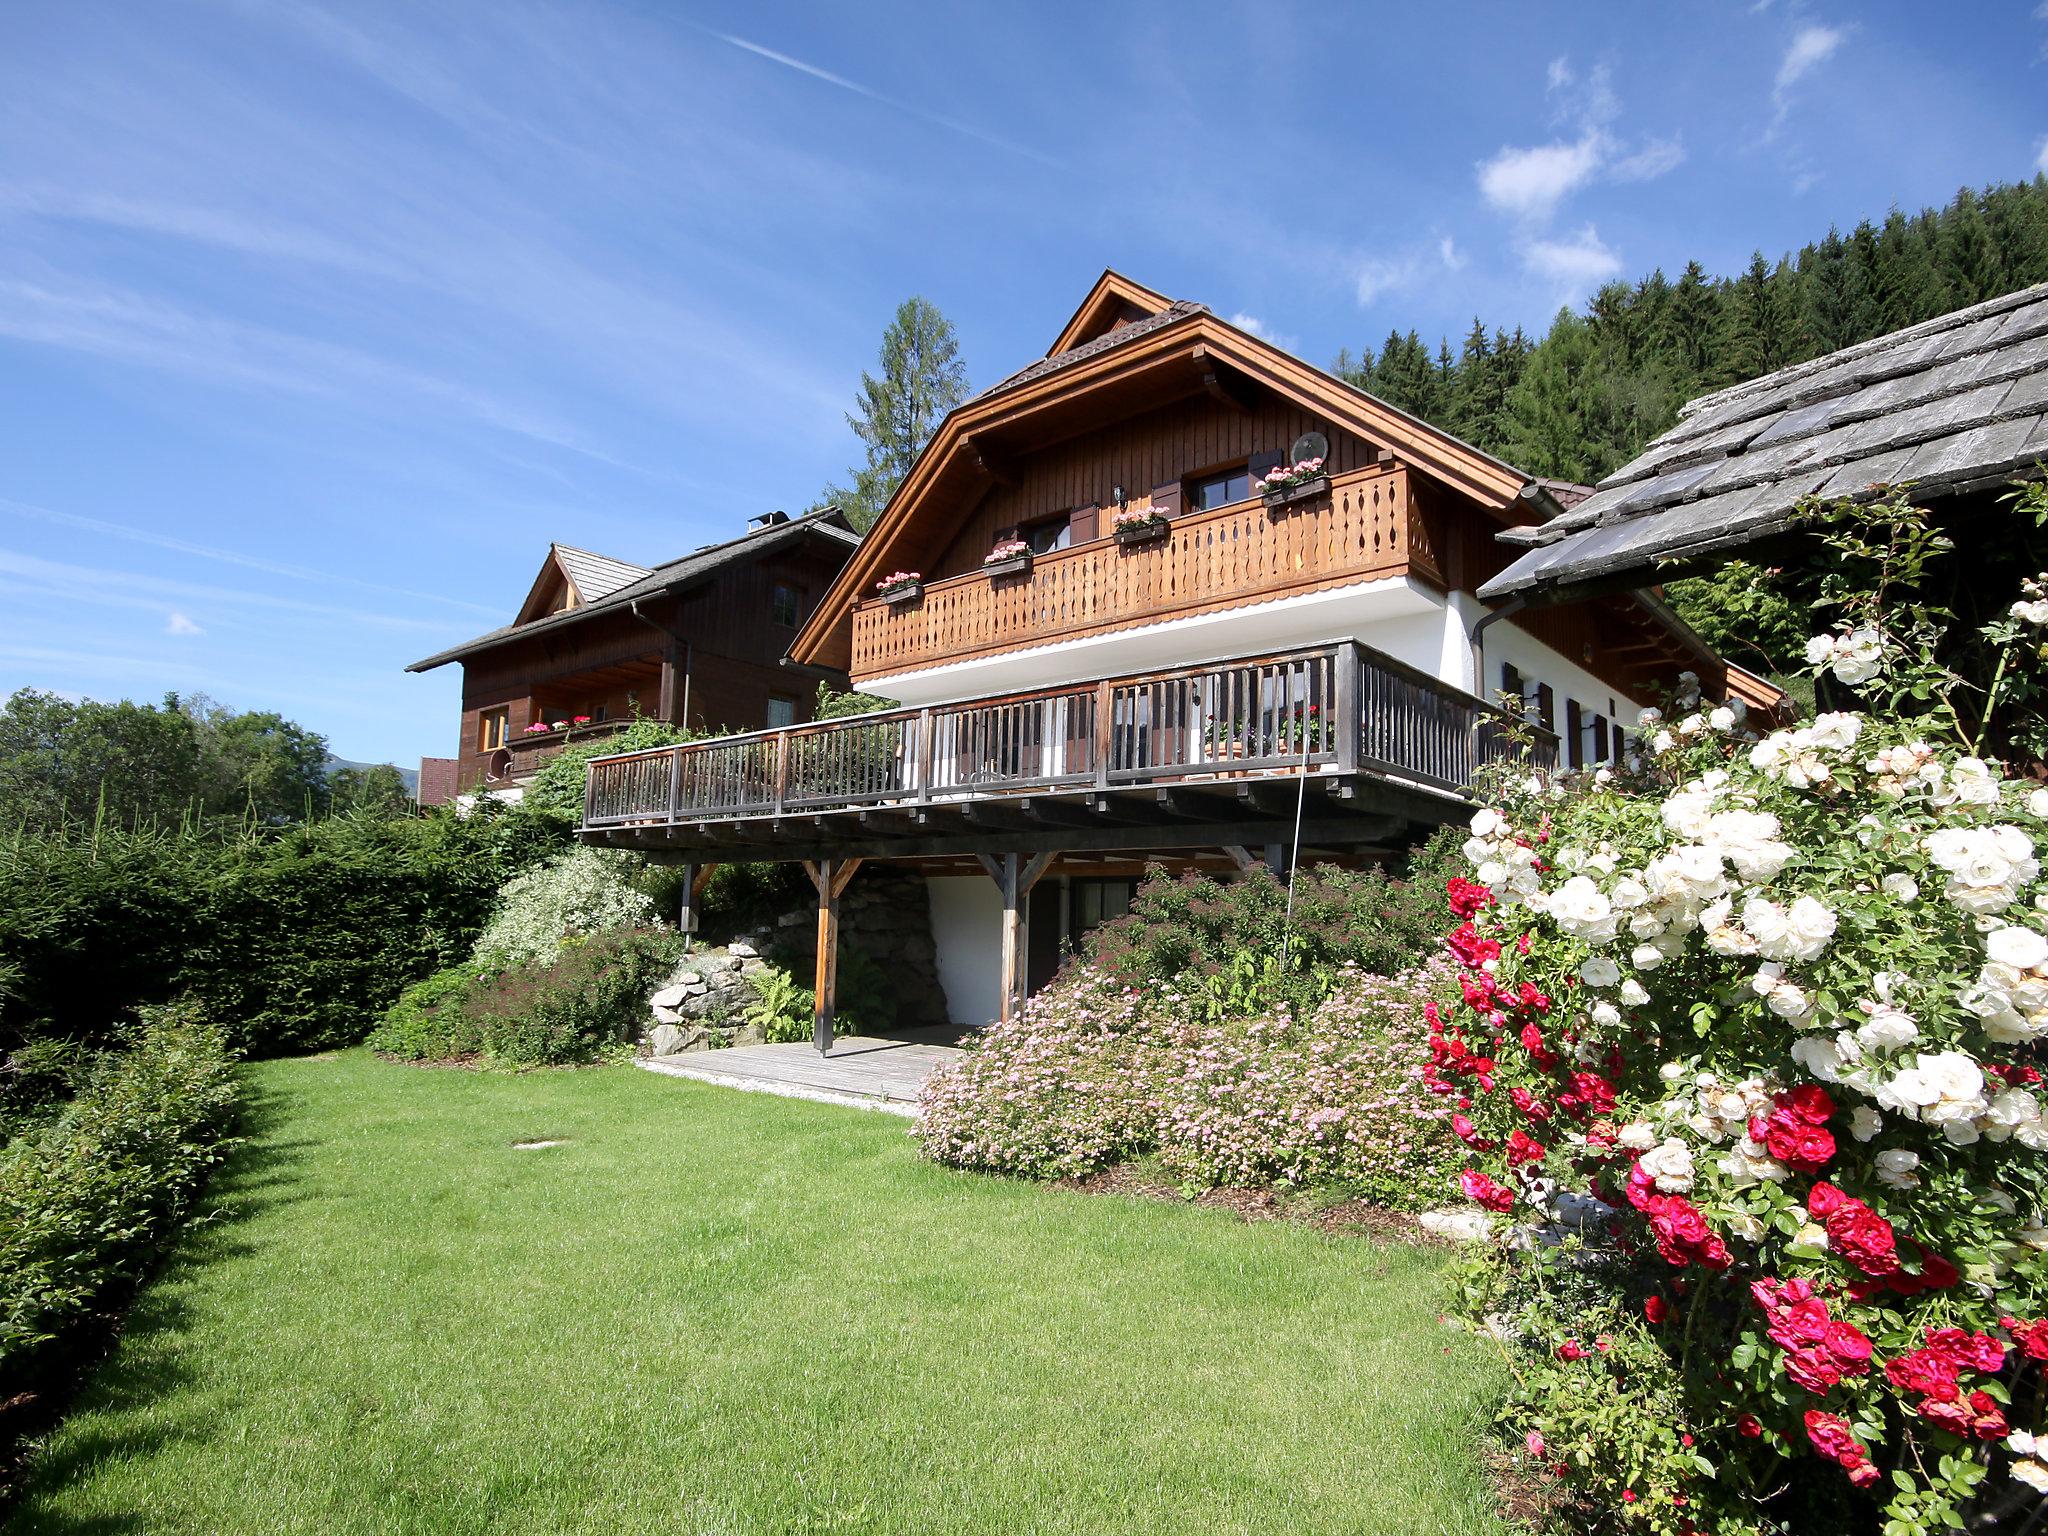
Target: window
784,604
1537,699
781,711
490,729
1095,902
1219,489
1048,534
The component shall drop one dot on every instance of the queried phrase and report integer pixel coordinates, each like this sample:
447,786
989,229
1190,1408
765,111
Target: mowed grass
716,1312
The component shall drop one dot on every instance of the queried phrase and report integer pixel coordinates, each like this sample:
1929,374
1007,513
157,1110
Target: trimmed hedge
289,941
88,1201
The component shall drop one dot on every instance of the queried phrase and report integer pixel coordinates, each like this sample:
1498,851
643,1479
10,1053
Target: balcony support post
1105,730
1350,724
831,877
1015,876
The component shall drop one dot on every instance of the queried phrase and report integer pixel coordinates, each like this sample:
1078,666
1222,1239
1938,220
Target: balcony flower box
1139,525
900,587
1012,557
1295,482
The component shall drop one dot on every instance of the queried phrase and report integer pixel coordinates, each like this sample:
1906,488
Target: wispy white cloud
109,587
2041,159
911,108
1530,182
1453,259
1574,265
1265,332
104,528
1811,46
178,624
1374,277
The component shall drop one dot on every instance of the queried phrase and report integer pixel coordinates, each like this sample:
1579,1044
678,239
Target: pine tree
1470,410
922,379
1971,267
1829,297
1754,329
1404,376
1866,315
1550,412
1903,279
1693,320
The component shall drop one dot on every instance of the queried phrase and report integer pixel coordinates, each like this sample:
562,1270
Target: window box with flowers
899,587
1304,728
1012,557
1139,525
1300,481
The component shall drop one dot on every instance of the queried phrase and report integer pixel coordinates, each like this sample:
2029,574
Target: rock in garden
1459,1224
666,1040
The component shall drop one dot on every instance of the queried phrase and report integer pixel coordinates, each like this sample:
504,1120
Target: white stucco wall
967,928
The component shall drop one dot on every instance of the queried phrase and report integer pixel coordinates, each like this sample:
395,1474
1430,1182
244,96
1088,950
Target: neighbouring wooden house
1112,647
598,643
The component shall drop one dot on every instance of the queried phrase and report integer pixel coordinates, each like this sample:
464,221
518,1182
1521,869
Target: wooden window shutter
1086,523
1511,685
1167,498
1574,741
1599,738
1546,707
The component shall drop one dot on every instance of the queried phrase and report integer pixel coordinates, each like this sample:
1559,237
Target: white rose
1819,649
2021,948
1487,822
1670,1164
2032,1473
1637,1136
1888,1029
1605,1014
1901,887
1812,924
1865,1122
1634,993
1766,922
1820,1056
1895,1168
2037,804
1721,719
1746,1227
1646,957
1599,971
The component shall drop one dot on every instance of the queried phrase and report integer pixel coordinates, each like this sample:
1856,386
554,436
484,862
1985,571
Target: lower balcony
1350,746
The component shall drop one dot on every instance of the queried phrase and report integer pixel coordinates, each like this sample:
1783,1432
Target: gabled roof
1174,352
587,576
1114,297
827,523
1950,405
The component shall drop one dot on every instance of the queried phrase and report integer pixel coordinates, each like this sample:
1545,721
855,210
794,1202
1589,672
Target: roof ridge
1793,372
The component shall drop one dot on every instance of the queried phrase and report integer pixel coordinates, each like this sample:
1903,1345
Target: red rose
1798,1144
1823,1200
1484,1192
1656,1309
1966,1351
1521,1149
1467,896
1749,1427
1570,1350
2032,1338
1925,1373
1832,1437
1809,1102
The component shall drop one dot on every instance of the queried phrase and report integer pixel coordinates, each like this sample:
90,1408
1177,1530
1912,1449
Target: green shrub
290,940
427,1021
586,1001
88,1200
581,892
1223,939
556,792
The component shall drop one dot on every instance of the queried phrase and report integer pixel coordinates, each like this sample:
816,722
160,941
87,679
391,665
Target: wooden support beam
1056,813
1240,855
695,878
996,466
887,823
1015,876
830,877
1224,384
996,817
1198,804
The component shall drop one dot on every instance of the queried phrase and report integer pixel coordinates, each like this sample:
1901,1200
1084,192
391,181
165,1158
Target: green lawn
715,1312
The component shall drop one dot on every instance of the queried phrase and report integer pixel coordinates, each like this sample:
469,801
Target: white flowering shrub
580,892
1775,1000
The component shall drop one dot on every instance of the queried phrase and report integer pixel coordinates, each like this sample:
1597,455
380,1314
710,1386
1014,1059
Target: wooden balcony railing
524,755
1210,560
1342,708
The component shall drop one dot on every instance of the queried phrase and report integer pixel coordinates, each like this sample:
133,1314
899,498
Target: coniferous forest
1588,396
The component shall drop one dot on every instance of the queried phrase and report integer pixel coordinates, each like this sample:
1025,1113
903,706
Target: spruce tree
922,379
1971,267
1903,279
1693,320
1550,411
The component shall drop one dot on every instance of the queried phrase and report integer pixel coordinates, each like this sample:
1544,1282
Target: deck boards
863,1071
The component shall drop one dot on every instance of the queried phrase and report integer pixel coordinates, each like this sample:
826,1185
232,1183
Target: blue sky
318,322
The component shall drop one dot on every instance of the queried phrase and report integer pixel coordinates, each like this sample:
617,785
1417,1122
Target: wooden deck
860,1070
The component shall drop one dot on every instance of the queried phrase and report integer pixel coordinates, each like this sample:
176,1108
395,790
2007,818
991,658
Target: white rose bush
1746,1061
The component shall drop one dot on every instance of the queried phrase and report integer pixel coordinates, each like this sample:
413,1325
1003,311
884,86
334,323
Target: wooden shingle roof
1953,404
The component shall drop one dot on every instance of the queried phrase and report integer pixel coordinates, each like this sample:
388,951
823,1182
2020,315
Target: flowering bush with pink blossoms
1095,1072
1772,999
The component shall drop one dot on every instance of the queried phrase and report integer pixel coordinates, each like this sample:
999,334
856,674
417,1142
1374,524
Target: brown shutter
1575,753
1084,520
1511,685
1599,738
1167,498
1546,707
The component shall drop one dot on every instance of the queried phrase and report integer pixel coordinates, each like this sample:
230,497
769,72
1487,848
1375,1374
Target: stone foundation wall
888,969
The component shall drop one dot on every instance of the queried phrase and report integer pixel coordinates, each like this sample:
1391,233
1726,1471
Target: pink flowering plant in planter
1286,477
1745,1059
1006,551
896,583
1133,519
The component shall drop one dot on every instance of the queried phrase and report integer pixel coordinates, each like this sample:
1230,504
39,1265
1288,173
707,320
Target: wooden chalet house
1118,650
598,643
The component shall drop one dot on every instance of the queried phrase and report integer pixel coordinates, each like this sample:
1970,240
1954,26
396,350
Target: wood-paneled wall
1158,447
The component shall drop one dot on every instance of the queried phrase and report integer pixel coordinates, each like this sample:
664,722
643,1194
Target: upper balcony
1362,528
1349,744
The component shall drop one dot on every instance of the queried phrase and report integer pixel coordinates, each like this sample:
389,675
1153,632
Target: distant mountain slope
410,775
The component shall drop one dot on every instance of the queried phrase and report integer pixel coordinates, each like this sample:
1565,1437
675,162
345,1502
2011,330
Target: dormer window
1219,488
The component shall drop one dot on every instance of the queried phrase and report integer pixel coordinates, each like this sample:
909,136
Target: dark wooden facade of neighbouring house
700,641
1245,678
